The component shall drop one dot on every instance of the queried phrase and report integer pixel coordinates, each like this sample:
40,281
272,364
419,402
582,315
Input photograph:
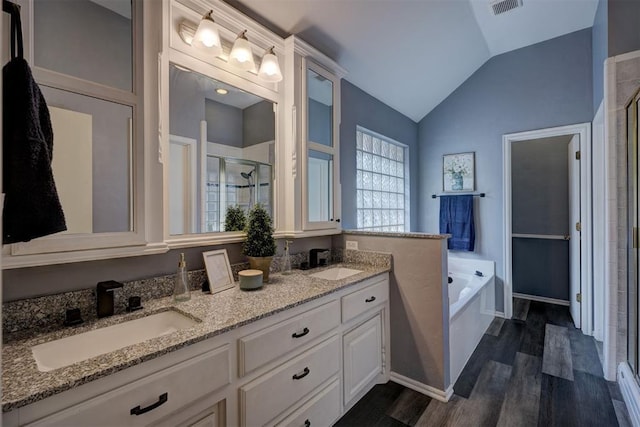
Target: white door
183,184
574,226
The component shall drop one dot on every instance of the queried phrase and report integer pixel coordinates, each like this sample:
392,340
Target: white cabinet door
362,356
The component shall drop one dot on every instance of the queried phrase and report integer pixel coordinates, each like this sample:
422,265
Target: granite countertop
23,383
413,235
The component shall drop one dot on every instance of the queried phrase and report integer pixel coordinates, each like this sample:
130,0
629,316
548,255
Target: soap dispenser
181,286
286,261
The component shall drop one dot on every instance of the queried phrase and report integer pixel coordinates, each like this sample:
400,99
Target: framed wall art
458,172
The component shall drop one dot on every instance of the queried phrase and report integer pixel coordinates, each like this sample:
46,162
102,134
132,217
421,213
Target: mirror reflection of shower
249,178
235,182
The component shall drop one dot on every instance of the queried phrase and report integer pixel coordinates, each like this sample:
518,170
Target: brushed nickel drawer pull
304,373
372,299
304,332
162,399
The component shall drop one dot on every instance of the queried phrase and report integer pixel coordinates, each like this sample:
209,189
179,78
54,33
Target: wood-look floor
533,370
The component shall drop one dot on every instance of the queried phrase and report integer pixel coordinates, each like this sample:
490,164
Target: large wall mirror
83,54
92,159
221,152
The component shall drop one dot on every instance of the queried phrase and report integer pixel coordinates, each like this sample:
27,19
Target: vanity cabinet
180,393
306,365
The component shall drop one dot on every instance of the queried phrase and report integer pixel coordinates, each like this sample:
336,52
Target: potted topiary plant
260,246
234,220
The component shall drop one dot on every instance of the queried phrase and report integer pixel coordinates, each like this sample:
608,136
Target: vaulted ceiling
411,54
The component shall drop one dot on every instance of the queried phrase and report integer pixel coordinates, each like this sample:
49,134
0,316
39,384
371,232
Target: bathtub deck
512,379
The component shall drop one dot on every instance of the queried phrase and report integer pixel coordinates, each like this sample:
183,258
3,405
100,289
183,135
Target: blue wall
599,42
544,85
361,109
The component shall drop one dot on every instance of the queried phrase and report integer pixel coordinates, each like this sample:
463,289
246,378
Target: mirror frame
62,248
179,53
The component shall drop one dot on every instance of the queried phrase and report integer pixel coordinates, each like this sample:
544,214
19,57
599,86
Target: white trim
304,49
627,56
584,130
427,390
630,392
83,255
541,299
499,314
599,185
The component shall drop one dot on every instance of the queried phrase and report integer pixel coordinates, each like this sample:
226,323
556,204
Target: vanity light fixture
221,91
207,36
241,55
269,67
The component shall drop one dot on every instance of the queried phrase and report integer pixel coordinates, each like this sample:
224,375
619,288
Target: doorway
550,221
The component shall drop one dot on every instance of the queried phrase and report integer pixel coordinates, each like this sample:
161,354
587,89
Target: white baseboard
541,299
499,314
427,390
630,392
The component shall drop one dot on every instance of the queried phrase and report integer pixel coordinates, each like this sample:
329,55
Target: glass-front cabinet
322,166
315,144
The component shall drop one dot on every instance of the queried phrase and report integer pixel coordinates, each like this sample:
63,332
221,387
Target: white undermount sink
336,273
69,350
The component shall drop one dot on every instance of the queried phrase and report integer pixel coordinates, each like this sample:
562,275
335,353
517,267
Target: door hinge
579,297
577,155
578,226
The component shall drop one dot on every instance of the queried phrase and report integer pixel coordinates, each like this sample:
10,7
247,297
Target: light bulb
241,55
207,36
270,68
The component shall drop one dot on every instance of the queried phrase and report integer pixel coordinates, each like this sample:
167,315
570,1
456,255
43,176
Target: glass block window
382,183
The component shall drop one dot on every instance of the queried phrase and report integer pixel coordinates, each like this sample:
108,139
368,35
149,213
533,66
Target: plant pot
263,264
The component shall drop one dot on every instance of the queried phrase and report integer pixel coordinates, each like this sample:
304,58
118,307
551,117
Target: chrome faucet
104,298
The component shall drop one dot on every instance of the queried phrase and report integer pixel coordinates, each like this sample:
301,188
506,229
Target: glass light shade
241,55
207,36
270,68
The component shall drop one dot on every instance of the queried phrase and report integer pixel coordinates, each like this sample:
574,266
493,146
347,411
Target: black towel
31,205
456,218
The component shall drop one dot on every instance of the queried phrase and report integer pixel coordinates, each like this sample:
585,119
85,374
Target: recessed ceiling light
221,91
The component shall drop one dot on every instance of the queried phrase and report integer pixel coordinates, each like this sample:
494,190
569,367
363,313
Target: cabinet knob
307,423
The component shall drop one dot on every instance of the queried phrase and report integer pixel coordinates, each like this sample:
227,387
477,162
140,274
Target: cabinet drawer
271,394
322,410
161,393
360,301
262,347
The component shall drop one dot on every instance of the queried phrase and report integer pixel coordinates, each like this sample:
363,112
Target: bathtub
471,308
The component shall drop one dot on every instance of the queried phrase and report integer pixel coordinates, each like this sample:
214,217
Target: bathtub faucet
479,273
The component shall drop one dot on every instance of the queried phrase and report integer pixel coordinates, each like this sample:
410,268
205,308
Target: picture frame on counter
218,269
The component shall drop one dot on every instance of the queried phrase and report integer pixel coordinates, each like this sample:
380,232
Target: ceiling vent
501,6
